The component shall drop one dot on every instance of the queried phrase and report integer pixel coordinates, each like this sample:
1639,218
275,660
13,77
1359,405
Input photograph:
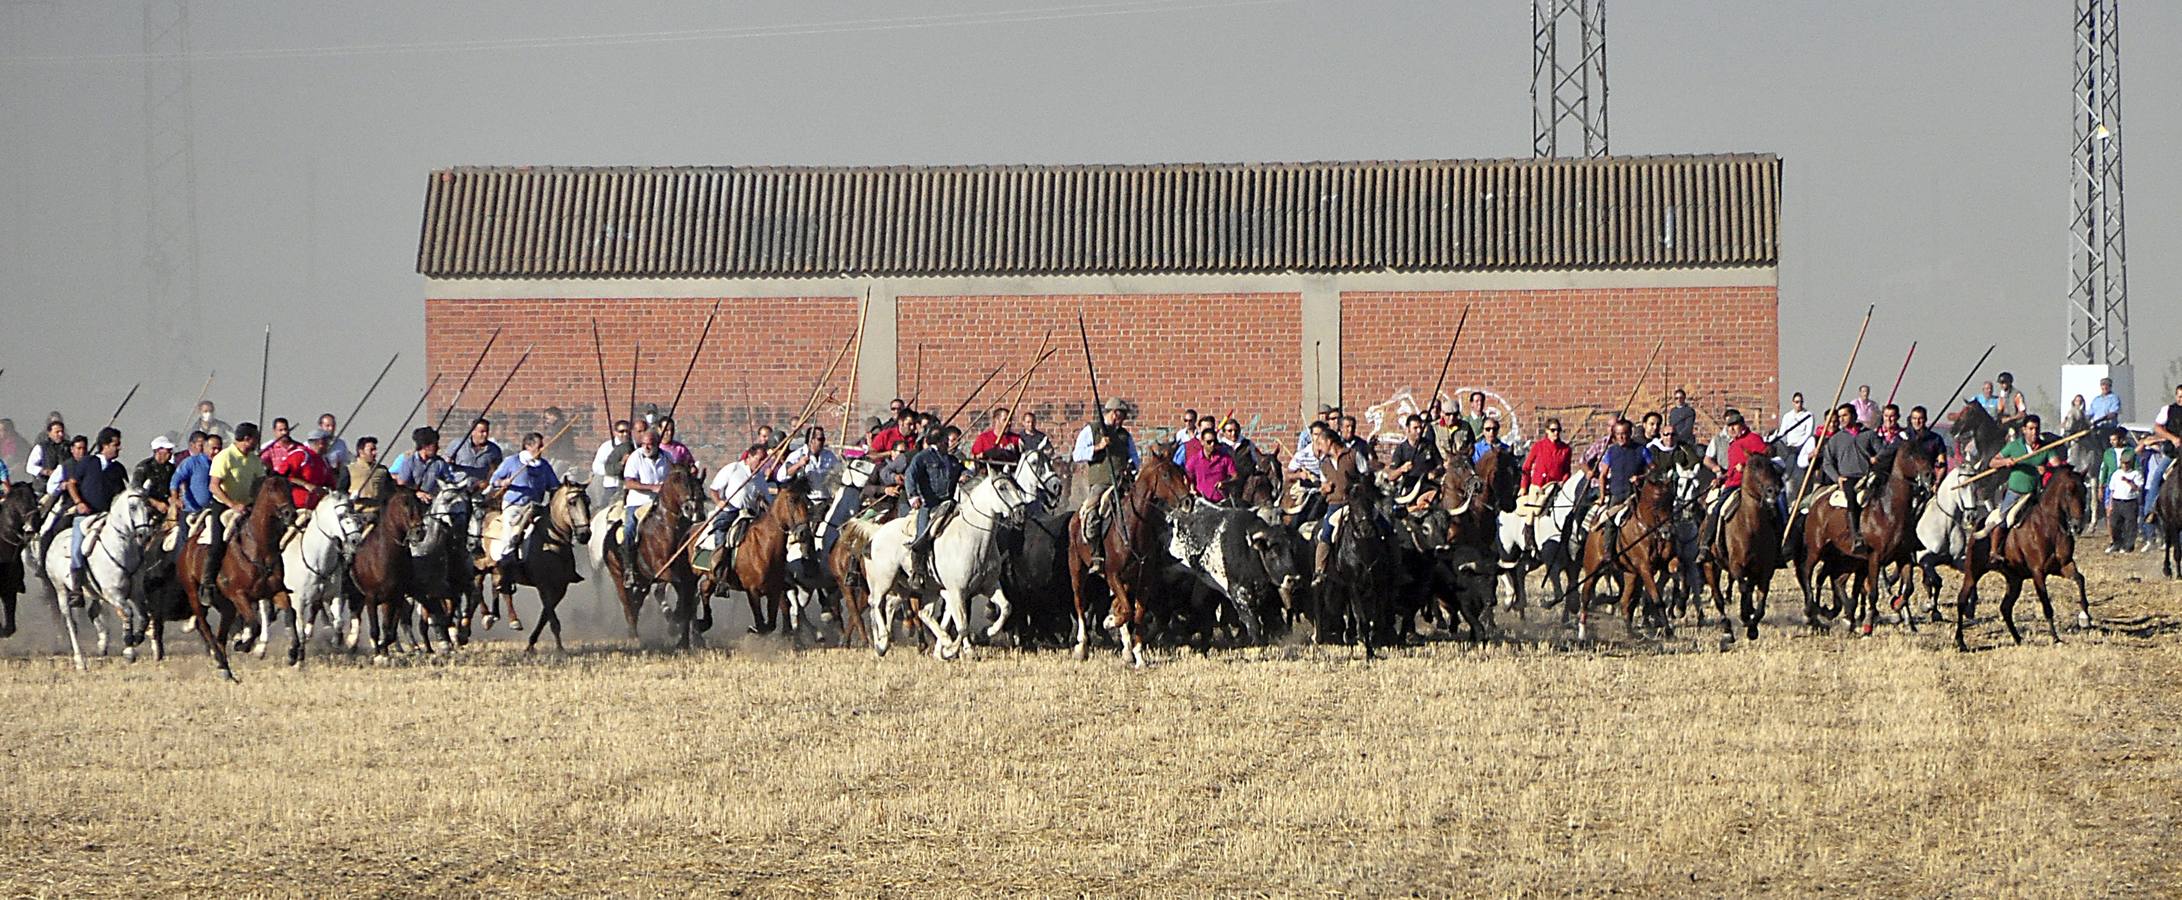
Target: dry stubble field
1888,765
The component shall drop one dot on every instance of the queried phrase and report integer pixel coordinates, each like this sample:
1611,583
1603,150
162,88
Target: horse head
18,514
1977,433
1916,465
2065,488
569,512
791,510
1035,475
1161,480
134,511
853,472
337,516
276,498
683,493
1762,482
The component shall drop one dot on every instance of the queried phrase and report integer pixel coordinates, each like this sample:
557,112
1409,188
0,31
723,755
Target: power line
844,26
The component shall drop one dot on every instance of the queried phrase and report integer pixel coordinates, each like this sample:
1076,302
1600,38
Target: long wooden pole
965,404
636,352
818,388
1966,379
367,398
474,364
124,404
916,386
1098,411
265,369
1434,402
1022,385
771,458
693,354
856,371
202,393
1647,373
1905,371
413,410
606,396
1988,473
505,381
1802,490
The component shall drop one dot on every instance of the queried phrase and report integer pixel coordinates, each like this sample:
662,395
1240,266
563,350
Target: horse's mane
1973,423
278,485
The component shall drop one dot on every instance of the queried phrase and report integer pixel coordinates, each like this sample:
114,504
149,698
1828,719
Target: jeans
2155,472
2008,500
1325,522
924,519
628,528
75,545
844,509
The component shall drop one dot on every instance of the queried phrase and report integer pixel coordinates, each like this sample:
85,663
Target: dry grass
1799,765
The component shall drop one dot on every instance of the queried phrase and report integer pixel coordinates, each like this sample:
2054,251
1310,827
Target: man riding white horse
93,483
933,474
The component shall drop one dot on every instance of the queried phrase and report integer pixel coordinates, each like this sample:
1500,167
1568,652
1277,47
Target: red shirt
302,467
987,442
1739,452
1547,463
888,438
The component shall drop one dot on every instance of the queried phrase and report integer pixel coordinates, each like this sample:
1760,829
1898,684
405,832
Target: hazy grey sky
1926,149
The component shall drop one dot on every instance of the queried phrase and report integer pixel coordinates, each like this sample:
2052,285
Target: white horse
312,566
1943,532
965,562
113,551
1549,541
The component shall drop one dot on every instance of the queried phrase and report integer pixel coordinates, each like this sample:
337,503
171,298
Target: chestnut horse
1890,531
2043,544
380,570
663,559
764,564
1745,548
248,571
1128,550
1642,553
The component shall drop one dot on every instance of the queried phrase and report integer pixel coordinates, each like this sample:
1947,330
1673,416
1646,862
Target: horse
965,564
379,569
439,573
312,567
1359,579
1126,548
764,566
1642,550
18,525
1541,542
662,559
1889,527
2043,544
1943,532
1744,550
113,551
1465,550
2167,507
249,569
1976,434
551,568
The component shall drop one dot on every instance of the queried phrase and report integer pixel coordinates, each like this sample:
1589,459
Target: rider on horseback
1743,446
234,479
2022,457
1337,471
525,480
1619,466
1845,459
1109,456
1415,471
933,474
93,483
642,476
740,491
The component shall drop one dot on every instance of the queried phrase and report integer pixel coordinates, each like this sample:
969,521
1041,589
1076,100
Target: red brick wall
1575,354
757,366
1164,352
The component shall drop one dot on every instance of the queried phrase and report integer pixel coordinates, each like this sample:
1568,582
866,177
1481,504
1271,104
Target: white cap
162,443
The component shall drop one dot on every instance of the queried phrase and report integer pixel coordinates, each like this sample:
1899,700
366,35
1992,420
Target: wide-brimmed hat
1117,405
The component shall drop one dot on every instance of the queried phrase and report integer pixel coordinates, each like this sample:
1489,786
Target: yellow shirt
237,473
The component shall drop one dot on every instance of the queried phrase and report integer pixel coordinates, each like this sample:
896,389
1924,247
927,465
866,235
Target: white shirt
1305,459
40,468
1796,428
641,469
610,480
739,485
2127,483
814,474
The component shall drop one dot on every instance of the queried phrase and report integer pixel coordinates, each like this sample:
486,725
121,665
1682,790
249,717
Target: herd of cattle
1166,568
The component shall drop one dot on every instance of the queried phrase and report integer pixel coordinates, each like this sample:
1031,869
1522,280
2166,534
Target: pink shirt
1208,471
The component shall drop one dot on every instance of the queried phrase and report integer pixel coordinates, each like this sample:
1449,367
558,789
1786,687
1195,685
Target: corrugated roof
1431,215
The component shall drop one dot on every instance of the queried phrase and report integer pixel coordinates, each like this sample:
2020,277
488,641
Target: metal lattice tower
1568,84
170,184
2098,267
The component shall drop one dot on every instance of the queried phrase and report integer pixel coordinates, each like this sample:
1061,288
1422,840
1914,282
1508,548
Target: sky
1925,146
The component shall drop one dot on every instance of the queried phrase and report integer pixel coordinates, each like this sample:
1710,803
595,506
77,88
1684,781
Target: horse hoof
515,625
128,653
2083,620
488,622
229,675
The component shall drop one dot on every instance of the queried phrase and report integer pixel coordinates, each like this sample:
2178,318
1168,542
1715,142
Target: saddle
1297,496
1534,502
1093,514
716,547
1832,495
617,516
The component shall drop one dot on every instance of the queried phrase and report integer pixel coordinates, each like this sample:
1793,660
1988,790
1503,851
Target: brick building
1262,289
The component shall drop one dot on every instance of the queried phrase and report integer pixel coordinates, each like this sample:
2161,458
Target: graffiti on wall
1382,421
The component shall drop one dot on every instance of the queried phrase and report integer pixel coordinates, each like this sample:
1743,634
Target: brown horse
1131,541
662,559
1745,548
1641,553
2043,544
1890,531
550,569
2167,508
763,565
248,571
380,570
18,524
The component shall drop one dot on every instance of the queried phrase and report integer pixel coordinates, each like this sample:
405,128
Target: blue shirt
192,482
2105,409
99,480
479,462
530,483
1477,450
1624,464
424,476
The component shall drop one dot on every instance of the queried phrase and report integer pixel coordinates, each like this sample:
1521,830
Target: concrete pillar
876,366
1321,349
